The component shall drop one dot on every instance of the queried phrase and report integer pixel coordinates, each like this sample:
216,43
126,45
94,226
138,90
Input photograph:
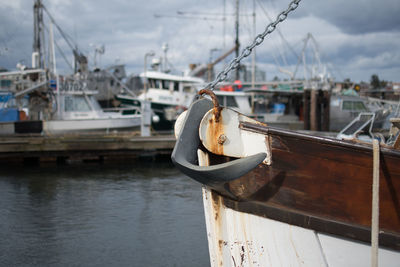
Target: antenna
164,48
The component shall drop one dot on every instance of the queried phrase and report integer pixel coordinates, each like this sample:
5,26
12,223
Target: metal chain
257,41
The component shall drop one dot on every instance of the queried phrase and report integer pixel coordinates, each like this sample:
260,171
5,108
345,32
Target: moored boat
58,106
168,94
275,103
78,111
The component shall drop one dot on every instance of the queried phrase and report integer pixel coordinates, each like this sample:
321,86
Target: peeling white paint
241,239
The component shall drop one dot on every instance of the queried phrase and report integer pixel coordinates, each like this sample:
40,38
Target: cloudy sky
354,39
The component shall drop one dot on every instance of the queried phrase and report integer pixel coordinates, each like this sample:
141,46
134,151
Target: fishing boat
275,103
274,197
38,100
168,94
46,107
77,110
281,104
345,108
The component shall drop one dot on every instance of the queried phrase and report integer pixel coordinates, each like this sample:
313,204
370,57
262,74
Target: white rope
375,205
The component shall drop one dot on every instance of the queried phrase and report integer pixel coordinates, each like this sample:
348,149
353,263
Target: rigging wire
259,39
247,23
63,55
59,49
66,37
278,30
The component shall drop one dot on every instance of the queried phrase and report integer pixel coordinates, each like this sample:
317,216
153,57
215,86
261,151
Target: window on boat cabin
359,106
154,84
176,86
165,85
354,106
227,101
231,101
5,84
76,103
173,86
347,105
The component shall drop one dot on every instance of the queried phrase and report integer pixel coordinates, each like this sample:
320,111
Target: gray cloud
356,17
358,37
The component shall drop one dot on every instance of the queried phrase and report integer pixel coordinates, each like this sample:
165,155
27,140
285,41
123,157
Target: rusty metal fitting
217,108
222,139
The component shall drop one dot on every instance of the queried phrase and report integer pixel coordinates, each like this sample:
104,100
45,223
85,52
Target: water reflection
143,214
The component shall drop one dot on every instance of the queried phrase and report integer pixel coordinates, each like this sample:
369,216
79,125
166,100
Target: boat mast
52,54
237,37
38,35
253,56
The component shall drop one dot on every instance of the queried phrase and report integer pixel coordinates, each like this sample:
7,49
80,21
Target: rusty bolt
221,139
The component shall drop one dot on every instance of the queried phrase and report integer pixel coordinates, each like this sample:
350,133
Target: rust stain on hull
217,206
215,130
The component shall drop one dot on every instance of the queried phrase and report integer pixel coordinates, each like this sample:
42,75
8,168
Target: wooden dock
88,146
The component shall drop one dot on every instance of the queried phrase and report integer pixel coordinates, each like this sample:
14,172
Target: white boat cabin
167,89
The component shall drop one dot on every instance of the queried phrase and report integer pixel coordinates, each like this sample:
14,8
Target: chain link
257,41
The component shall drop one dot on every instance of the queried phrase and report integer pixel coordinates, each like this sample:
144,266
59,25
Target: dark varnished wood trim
357,146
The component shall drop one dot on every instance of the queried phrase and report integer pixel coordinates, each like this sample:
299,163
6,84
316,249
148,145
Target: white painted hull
242,239
168,98
106,124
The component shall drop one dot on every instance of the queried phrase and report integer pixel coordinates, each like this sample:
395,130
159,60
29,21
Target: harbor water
136,214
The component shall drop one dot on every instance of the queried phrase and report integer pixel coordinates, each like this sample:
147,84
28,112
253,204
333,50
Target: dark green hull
163,125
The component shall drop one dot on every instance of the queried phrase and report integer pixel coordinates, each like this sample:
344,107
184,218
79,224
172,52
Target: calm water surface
141,214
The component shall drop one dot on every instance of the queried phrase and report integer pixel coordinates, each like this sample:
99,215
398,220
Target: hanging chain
257,41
